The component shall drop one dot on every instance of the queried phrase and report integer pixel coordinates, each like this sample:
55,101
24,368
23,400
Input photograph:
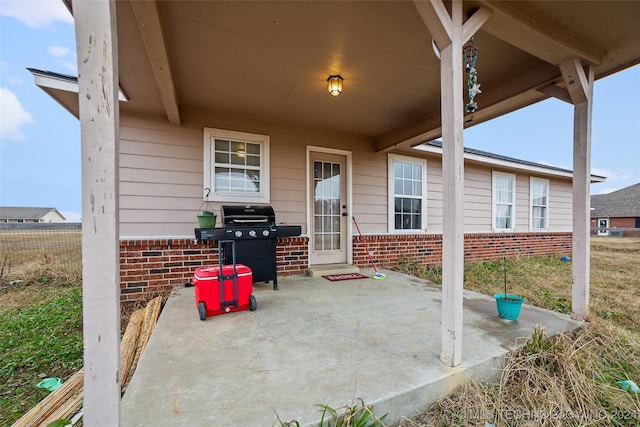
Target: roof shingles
617,204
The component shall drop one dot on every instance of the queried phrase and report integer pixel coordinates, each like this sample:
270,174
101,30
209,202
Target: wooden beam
451,77
557,92
97,49
581,266
576,80
473,24
152,31
497,99
436,18
541,35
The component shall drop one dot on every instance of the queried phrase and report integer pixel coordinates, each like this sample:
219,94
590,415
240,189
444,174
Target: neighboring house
10,214
616,213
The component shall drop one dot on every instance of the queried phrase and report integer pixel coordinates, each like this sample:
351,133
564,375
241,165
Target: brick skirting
153,267
426,249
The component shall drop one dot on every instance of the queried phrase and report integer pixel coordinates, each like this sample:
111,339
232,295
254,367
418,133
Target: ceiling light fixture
334,85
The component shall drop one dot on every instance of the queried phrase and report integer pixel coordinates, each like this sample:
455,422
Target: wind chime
470,57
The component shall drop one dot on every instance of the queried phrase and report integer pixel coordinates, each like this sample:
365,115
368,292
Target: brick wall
153,267
386,250
622,222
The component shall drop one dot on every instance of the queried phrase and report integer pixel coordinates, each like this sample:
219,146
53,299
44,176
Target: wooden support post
95,24
580,88
451,77
450,34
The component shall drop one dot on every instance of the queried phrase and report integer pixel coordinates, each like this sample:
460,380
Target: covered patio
317,342
188,64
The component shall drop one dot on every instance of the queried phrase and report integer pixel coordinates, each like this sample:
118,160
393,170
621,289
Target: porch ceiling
271,59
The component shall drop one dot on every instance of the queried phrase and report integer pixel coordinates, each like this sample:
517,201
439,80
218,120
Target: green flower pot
207,221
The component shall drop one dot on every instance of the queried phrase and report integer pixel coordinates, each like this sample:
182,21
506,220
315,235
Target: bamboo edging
67,399
50,404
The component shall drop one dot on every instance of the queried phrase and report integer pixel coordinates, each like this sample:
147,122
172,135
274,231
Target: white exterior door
603,226
328,207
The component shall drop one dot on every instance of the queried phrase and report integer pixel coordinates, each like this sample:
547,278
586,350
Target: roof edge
505,161
65,82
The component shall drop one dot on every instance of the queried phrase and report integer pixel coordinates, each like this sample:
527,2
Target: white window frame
262,196
494,176
533,180
393,158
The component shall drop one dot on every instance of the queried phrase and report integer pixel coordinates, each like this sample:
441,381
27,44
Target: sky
40,140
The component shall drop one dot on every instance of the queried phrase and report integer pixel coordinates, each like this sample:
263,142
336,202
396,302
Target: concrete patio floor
317,342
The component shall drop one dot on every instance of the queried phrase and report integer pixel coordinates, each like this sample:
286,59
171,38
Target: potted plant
508,305
206,216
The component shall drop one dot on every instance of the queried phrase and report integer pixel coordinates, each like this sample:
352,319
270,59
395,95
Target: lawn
40,315
569,380
41,336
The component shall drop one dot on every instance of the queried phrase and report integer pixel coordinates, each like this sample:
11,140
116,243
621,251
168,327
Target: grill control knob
265,233
238,233
252,233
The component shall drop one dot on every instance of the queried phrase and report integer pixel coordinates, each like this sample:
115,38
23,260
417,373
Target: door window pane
327,212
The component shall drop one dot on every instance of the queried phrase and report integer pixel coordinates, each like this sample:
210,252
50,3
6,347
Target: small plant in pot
508,305
206,216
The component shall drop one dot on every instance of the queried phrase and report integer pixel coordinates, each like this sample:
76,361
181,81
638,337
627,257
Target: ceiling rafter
539,34
148,17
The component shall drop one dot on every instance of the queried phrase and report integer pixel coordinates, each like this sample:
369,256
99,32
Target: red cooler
232,292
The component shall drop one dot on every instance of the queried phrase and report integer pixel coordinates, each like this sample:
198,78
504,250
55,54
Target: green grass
37,341
546,281
41,324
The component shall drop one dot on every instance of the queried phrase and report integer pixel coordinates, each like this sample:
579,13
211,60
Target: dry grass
615,280
52,255
546,281
570,379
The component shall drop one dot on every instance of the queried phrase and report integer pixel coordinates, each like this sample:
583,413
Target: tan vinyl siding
477,199
370,192
560,205
523,203
161,179
434,195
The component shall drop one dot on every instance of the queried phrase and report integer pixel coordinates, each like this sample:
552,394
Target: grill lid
247,215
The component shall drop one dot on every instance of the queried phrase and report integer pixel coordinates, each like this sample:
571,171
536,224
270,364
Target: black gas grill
255,232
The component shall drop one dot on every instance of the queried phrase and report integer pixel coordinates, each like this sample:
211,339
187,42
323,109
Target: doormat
347,276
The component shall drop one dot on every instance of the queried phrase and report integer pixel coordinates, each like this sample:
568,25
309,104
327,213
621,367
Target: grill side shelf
205,234
288,230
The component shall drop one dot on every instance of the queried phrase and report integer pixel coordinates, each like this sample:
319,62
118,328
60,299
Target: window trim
264,195
391,194
494,175
546,218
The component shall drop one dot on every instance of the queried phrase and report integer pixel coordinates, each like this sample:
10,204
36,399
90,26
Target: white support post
450,34
451,77
98,101
580,88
